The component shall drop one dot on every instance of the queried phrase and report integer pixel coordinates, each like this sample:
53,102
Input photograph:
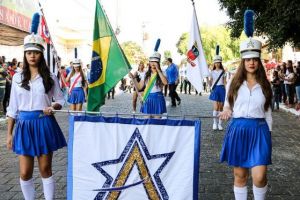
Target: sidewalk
290,110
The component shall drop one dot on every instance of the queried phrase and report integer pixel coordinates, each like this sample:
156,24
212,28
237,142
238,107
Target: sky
164,19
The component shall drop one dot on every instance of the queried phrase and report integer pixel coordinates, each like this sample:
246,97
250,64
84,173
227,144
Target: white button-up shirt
215,75
33,99
250,103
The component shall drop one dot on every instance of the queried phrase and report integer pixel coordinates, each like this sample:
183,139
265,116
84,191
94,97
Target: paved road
215,178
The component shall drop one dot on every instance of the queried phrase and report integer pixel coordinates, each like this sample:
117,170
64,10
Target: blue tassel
249,23
217,50
157,45
35,23
75,52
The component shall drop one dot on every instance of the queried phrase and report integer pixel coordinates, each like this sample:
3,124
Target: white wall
289,54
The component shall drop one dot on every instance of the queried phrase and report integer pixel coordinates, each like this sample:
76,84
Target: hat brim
216,61
33,49
154,60
251,54
76,65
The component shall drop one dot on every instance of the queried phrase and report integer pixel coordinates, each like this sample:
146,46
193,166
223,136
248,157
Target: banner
109,63
197,68
121,158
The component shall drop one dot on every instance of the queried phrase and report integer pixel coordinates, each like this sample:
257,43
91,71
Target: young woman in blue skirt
217,95
78,86
37,133
155,102
247,143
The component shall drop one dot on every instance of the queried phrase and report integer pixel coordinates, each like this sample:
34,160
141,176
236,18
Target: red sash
74,83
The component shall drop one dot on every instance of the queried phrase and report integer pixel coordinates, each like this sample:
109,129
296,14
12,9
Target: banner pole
134,115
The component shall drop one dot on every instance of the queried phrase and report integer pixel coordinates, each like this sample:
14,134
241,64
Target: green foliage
133,52
182,43
167,54
211,36
279,20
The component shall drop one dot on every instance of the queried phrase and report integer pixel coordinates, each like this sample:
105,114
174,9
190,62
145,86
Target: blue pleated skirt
155,104
247,143
77,96
37,134
218,94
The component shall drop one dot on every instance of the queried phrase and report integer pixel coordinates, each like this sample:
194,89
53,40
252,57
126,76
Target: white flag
133,159
197,68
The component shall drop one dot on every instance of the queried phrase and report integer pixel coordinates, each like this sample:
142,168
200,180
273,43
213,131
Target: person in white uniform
78,86
37,133
217,94
247,143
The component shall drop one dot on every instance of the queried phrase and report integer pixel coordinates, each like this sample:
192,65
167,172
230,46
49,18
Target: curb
290,110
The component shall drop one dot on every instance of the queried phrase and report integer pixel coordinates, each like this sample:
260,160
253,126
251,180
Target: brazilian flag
109,64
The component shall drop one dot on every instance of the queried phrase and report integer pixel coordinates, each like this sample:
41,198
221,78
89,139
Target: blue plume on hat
35,23
75,52
249,23
157,45
217,50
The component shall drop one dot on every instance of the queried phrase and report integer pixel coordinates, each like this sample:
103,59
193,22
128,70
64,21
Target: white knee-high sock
27,188
259,193
220,121
49,188
240,193
215,114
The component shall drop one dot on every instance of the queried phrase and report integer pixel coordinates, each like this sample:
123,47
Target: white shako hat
34,42
155,57
76,62
250,48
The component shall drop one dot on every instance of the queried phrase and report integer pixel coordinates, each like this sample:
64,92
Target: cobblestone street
216,179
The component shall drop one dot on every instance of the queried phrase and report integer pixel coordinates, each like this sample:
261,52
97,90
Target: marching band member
78,86
247,143
153,98
37,133
218,89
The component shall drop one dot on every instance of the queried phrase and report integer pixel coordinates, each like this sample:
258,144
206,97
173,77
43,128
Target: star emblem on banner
131,156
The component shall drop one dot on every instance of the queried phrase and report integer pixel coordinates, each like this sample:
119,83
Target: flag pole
51,41
134,84
193,3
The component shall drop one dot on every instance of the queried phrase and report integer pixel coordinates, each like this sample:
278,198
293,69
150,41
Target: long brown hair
81,74
241,75
158,83
43,70
221,66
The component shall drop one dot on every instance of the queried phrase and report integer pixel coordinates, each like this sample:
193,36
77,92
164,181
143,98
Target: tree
133,52
211,36
182,43
278,20
167,54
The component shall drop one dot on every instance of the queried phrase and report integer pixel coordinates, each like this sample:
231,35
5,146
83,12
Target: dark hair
275,73
19,63
221,66
43,70
290,69
170,60
158,83
81,74
284,68
241,75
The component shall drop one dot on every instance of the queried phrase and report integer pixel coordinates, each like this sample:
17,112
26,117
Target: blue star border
127,148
